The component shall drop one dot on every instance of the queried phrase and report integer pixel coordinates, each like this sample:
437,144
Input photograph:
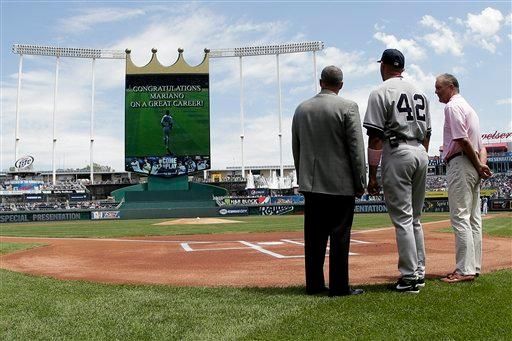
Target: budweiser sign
496,136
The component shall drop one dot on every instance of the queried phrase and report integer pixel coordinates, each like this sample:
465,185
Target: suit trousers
327,217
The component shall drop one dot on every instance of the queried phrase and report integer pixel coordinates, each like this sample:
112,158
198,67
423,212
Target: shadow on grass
432,281
301,290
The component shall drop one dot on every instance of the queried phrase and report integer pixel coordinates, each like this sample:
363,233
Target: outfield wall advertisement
167,120
46,216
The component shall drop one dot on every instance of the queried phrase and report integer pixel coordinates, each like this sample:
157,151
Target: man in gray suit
328,153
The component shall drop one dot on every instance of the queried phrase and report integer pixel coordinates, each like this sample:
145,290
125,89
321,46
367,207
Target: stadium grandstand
73,190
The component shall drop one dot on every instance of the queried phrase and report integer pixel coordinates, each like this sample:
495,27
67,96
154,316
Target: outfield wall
192,210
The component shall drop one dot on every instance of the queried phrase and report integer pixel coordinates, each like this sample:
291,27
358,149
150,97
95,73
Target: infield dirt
236,259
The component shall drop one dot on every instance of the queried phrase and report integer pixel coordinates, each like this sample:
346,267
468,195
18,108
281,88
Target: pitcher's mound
198,221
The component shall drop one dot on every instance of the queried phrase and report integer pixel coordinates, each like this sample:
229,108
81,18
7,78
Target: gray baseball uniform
167,123
400,112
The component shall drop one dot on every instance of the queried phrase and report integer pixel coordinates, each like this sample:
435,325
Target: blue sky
471,40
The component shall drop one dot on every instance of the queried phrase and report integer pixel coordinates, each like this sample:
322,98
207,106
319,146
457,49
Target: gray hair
450,79
332,75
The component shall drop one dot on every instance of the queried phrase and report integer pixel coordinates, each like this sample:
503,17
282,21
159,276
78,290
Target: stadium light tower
265,50
59,52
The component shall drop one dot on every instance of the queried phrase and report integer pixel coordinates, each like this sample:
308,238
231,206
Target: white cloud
198,29
457,21
459,70
409,47
487,23
504,101
443,40
261,143
484,28
353,64
378,27
488,44
508,19
72,116
91,17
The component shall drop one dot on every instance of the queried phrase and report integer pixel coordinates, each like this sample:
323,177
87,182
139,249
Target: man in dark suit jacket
328,152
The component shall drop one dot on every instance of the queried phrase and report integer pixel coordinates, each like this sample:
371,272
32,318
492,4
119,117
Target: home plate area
282,249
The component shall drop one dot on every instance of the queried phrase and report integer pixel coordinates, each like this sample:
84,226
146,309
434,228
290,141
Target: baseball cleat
407,286
420,283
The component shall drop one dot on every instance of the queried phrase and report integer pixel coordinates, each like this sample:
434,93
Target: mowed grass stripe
13,247
42,308
499,226
494,224
146,227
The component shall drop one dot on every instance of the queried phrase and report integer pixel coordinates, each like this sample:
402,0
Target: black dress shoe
347,293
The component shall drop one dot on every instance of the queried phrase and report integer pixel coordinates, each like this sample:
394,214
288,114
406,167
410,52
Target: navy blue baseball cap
393,57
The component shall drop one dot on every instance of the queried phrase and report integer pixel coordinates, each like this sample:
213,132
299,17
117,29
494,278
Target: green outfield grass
146,227
497,225
35,308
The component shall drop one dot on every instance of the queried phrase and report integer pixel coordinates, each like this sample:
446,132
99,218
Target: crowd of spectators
502,183
436,183
43,186
68,185
64,186
121,181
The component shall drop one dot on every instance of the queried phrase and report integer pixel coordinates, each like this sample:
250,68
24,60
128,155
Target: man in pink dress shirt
466,159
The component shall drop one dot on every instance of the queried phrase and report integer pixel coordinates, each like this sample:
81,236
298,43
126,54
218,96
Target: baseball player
167,123
398,125
485,206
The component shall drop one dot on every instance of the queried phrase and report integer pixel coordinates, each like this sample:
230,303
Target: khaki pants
464,200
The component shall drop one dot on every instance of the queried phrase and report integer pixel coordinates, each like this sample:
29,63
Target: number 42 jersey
397,108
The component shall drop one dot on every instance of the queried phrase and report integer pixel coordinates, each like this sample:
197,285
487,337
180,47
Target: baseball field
238,279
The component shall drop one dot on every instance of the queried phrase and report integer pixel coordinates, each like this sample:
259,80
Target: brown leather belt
449,158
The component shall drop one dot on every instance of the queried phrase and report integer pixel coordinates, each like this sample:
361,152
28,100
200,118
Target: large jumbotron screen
167,124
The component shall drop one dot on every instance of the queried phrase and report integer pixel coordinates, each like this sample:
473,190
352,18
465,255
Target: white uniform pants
464,200
404,172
